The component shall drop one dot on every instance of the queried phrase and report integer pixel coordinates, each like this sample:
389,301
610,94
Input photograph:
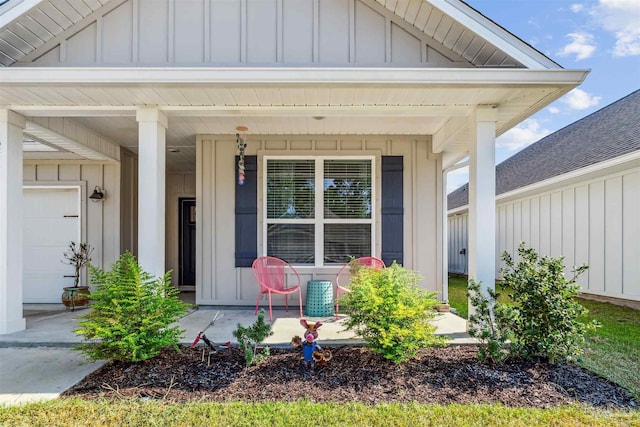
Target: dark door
187,242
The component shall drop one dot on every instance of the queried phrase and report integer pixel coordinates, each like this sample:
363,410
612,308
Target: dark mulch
443,375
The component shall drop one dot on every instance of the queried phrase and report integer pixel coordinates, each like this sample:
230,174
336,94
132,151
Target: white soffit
44,134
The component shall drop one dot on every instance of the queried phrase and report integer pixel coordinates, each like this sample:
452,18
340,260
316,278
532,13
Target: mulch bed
442,375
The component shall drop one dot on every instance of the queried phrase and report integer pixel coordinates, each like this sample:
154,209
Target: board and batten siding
596,222
458,243
243,33
128,201
218,281
102,230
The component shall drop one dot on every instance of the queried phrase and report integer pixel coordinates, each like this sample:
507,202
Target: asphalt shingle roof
609,132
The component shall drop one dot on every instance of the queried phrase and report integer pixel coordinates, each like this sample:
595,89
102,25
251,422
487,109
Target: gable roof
36,25
608,133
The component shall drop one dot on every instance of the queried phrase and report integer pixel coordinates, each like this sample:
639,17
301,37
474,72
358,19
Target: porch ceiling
282,101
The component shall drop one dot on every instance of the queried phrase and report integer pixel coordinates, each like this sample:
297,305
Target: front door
187,242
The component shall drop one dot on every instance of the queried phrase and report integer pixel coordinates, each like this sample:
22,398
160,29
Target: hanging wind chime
242,145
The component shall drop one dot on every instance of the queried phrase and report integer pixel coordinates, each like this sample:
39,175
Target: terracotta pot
73,297
443,308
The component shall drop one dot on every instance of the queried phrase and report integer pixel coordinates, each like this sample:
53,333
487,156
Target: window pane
290,188
342,241
294,243
347,189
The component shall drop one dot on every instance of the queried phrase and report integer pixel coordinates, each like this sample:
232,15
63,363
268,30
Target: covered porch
49,325
155,123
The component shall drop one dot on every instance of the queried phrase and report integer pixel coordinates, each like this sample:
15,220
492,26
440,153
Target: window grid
319,219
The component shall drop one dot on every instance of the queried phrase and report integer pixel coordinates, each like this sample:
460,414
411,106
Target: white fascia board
17,11
494,34
540,186
57,77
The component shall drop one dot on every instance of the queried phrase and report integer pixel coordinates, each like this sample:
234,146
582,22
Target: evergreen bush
130,313
249,338
545,323
490,323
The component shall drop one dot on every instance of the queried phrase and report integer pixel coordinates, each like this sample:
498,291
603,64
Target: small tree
546,312
249,338
490,323
78,256
390,312
131,313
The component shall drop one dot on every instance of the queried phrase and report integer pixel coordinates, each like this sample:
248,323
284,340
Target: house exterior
575,193
355,110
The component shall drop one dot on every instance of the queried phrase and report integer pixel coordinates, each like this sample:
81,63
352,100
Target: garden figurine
311,350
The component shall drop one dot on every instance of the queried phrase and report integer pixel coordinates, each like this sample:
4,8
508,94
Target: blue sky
600,35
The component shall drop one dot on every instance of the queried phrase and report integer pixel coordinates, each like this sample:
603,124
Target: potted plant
78,256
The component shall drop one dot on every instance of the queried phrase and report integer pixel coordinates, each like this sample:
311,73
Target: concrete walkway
38,363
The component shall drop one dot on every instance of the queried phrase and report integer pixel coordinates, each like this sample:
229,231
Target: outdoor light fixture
98,195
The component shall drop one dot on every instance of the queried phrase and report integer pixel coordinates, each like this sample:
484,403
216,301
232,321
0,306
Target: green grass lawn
613,350
70,413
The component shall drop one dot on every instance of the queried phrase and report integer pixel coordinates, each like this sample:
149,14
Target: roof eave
112,76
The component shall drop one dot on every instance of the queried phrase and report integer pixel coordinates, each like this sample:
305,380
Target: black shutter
247,213
392,210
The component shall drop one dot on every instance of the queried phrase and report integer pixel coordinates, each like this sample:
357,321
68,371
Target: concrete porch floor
50,325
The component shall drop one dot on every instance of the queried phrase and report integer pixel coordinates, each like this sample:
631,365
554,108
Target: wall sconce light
98,195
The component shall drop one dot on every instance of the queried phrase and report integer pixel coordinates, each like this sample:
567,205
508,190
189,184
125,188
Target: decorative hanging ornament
242,145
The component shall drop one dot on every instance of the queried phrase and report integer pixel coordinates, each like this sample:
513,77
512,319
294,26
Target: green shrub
490,323
546,313
249,338
386,307
130,313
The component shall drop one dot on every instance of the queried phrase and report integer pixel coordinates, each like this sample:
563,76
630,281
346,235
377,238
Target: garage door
51,222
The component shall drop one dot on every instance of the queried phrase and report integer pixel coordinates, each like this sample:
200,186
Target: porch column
445,239
482,200
11,127
152,126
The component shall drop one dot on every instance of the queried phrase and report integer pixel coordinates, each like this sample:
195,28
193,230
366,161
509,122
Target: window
319,211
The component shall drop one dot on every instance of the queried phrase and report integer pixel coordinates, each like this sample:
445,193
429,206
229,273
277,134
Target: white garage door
51,222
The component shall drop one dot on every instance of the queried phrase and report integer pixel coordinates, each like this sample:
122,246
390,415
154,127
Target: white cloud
622,18
456,178
522,135
578,99
582,45
554,110
577,7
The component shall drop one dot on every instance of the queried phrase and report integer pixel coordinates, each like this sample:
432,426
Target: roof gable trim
494,34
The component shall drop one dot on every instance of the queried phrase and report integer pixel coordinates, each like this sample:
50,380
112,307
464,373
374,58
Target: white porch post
482,200
445,239
11,128
152,126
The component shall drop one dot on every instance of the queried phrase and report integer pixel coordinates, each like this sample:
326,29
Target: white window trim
319,221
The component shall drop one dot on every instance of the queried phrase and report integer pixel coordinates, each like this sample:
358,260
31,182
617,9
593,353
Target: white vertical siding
246,33
631,234
219,282
457,242
596,222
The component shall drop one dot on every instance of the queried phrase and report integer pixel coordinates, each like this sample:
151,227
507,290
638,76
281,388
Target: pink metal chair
270,274
344,274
